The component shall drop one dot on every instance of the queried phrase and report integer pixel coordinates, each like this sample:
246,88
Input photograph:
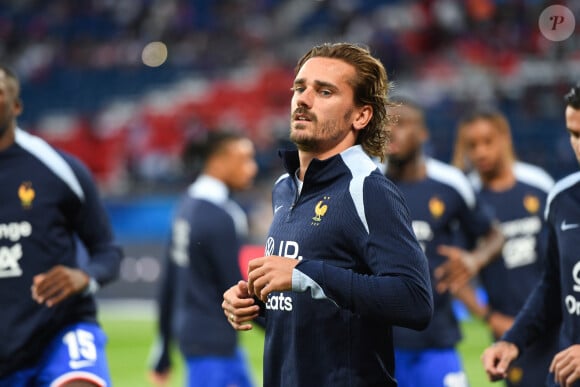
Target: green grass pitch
130,338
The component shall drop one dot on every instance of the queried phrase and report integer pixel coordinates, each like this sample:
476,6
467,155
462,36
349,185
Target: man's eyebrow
325,84
319,84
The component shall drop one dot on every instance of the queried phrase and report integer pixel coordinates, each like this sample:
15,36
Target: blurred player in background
440,200
48,329
202,262
342,264
555,302
517,193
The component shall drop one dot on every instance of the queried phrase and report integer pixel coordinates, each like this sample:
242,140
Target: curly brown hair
371,87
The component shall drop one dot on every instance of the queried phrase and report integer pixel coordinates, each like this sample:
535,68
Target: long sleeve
92,225
160,357
542,309
398,289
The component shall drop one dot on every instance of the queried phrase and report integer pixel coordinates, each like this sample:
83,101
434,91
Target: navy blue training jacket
48,201
361,271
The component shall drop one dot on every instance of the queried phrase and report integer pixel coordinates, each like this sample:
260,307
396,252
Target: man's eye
297,89
325,92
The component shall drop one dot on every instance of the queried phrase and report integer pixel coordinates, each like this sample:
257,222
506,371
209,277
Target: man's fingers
573,376
253,276
445,250
255,264
57,298
503,364
46,290
261,289
561,367
243,290
557,359
240,323
566,373
497,359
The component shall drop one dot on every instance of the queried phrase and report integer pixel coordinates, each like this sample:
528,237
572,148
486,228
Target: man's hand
240,307
270,274
58,284
566,366
499,323
497,359
457,271
159,379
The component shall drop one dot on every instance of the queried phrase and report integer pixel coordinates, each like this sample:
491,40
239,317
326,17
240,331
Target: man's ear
18,107
424,137
363,117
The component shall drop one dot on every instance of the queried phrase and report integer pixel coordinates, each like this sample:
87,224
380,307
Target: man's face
408,134
485,146
323,109
10,106
573,126
241,168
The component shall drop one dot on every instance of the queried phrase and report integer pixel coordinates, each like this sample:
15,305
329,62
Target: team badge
436,207
320,210
531,203
26,194
515,375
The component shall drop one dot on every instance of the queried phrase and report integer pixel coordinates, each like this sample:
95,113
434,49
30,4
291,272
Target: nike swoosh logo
568,226
277,208
76,364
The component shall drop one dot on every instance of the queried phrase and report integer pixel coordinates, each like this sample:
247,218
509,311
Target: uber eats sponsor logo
571,302
288,249
11,253
279,302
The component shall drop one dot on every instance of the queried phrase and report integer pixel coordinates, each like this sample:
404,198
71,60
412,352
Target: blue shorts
429,368
218,371
76,353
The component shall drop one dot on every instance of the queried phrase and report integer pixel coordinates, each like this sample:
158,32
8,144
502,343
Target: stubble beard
4,126
324,135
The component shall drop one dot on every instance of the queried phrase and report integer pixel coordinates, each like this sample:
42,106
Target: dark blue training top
510,279
361,271
201,264
556,299
439,204
47,199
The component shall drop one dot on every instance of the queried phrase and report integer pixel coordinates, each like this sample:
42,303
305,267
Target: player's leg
76,358
405,363
218,371
441,368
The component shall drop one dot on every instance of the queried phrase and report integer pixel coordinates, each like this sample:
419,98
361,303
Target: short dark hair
573,97
486,113
197,151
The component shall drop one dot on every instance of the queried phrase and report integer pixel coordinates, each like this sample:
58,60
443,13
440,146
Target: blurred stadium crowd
229,65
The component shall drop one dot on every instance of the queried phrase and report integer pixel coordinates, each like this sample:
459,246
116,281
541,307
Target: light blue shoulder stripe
284,176
50,157
533,175
360,166
452,177
474,180
524,172
559,187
